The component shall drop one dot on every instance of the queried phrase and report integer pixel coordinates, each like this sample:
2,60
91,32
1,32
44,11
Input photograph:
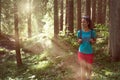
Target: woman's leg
83,70
89,59
82,63
89,70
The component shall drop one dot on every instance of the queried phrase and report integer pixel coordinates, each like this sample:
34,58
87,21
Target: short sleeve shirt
85,46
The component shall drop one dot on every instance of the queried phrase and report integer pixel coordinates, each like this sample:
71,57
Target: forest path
69,55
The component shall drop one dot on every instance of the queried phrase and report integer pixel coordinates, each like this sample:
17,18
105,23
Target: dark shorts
86,57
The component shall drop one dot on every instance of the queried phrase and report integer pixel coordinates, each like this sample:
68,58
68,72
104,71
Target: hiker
86,37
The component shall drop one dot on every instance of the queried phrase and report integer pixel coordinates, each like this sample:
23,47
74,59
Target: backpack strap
92,33
80,34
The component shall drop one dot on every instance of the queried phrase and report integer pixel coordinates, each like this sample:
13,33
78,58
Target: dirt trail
70,58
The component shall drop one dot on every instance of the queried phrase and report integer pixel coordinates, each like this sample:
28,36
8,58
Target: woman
86,37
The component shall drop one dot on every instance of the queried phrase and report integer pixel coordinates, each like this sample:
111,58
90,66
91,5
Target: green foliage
104,69
6,17
102,31
48,28
35,67
102,39
39,10
44,65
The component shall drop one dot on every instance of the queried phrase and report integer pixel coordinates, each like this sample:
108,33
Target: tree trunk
0,16
88,6
115,29
104,12
56,26
93,11
18,55
61,15
78,14
29,21
99,12
66,18
70,16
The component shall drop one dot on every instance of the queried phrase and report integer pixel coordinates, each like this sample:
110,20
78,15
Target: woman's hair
87,18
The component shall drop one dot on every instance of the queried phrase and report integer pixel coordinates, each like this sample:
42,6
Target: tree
70,15
18,55
66,17
93,11
104,11
99,12
88,6
29,20
115,29
61,15
0,16
56,26
78,14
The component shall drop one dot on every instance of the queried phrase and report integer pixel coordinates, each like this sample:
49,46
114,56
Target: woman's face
84,23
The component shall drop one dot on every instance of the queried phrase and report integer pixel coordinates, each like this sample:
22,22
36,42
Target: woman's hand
79,41
92,40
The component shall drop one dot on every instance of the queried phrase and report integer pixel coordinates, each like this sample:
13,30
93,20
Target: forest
38,39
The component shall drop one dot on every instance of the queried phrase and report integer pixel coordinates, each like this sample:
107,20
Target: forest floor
55,60
62,55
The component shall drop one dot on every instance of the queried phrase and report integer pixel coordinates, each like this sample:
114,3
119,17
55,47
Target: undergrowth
48,65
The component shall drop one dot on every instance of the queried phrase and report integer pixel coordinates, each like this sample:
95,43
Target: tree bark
56,26
78,14
29,21
0,16
70,16
88,7
99,12
61,15
115,29
104,12
66,18
93,11
18,55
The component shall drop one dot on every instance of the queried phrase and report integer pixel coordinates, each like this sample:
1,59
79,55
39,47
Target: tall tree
115,29
66,17
88,7
93,11
70,15
18,55
56,26
78,14
104,11
61,15
0,15
99,12
29,19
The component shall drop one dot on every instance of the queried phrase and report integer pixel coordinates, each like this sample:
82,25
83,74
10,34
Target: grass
35,67
104,69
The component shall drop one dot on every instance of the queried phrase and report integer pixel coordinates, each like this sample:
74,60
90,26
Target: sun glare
27,7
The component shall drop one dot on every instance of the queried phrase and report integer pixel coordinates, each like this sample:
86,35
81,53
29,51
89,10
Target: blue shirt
85,46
